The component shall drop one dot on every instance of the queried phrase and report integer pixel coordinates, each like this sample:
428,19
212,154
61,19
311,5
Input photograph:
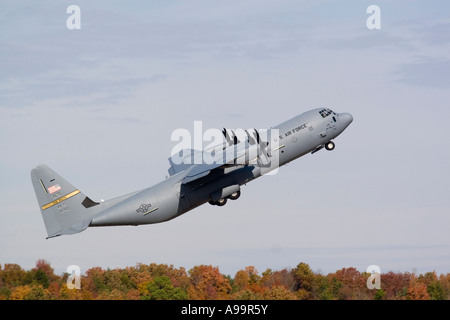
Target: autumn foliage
165,282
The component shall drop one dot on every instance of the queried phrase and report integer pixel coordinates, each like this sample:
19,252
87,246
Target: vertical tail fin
64,208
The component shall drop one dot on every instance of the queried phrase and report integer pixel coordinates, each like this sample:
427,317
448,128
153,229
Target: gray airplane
239,160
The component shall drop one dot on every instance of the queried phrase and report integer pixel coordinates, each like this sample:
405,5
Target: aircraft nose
346,118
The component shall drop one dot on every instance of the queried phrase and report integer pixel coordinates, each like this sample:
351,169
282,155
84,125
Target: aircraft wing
179,163
198,171
200,163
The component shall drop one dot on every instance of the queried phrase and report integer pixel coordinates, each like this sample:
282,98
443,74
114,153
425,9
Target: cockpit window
325,112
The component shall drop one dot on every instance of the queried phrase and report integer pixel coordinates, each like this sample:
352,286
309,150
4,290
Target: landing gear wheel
235,195
329,145
221,202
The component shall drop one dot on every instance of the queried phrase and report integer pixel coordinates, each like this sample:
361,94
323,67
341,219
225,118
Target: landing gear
222,202
235,195
329,145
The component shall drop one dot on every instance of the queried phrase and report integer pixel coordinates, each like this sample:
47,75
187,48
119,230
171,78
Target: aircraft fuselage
303,134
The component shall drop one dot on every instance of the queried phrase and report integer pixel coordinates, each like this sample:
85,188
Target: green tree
303,280
41,278
324,290
161,288
380,294
436,291
45,267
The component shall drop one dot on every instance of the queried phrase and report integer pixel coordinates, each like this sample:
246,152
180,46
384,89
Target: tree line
206,282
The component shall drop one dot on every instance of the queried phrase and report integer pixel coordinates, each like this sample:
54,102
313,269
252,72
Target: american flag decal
54,188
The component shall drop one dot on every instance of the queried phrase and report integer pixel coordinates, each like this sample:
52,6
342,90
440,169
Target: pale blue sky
98,105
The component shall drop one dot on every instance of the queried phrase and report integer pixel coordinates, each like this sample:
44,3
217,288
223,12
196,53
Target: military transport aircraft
215,177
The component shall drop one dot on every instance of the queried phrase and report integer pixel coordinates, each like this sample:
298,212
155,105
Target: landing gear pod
219,198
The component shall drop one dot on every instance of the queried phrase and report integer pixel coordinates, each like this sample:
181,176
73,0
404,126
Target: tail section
64,208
